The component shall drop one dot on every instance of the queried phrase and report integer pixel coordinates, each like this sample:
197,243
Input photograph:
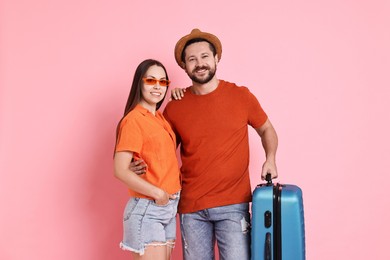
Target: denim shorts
145,222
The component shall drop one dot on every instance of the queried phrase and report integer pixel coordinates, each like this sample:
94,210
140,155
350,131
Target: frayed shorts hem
127,248
170,244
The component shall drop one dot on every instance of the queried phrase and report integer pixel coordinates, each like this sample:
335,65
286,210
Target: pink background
319,68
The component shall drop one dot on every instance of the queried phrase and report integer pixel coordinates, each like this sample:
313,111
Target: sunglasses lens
150,81
164,82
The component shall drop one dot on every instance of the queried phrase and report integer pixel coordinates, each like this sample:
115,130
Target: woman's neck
150,108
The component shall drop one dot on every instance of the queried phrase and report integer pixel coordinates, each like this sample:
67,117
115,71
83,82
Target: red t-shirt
213,131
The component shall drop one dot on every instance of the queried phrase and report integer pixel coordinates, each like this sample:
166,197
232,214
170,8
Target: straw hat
196,33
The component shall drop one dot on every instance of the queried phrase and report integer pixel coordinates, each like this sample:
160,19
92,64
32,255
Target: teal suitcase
278,228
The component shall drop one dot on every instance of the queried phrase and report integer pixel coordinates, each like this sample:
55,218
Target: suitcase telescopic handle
267,251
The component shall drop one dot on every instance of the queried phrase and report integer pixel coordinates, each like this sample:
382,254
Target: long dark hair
135,95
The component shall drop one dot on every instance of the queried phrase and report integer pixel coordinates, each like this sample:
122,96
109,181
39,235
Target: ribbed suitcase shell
281,208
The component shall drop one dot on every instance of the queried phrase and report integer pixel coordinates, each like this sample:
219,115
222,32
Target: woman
143,133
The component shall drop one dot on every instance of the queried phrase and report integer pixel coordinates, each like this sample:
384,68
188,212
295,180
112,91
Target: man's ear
216,58
183,65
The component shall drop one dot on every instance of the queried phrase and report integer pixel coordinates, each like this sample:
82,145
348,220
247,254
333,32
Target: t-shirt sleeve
129,138
256,115
167,115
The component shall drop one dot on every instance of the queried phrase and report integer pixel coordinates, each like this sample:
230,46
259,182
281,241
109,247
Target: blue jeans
228,225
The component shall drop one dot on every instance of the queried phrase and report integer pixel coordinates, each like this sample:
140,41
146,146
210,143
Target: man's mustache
201,68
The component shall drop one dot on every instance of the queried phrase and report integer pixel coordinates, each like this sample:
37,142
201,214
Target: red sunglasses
152,81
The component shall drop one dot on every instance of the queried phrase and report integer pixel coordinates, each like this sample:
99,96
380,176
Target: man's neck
203,89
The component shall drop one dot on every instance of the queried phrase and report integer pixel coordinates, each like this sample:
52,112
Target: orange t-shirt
213,131
151,138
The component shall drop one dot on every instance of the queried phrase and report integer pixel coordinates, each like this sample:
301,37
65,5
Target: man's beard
210,75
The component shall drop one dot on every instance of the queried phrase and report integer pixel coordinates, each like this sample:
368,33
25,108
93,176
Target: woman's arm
122,171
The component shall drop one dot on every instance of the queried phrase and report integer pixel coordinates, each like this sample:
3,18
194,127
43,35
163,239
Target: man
211,123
